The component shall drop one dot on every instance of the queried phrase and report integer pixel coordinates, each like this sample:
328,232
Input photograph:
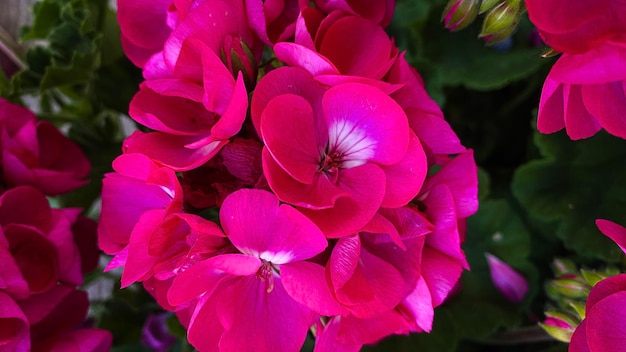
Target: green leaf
575,183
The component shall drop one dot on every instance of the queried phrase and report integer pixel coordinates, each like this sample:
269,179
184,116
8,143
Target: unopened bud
592,277
487,5
509,282
562,266
459,14
239,58
500,22
570,288
561,326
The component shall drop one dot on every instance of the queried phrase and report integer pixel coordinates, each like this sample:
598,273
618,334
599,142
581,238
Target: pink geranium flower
335,159
247,295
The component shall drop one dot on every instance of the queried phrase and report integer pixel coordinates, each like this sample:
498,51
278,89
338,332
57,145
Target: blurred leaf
575,183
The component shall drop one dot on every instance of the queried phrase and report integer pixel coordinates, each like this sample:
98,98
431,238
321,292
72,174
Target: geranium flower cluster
297,176
586,89
44,252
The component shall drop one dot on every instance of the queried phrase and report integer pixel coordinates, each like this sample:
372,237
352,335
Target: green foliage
573,184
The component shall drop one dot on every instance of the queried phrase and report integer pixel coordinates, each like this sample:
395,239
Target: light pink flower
602,330
507,280
35,153
246,296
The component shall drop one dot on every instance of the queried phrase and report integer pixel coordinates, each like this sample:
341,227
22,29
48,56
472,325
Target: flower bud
561,326
487,5
501,21
570,288
459,14
562,266
509,282
238,57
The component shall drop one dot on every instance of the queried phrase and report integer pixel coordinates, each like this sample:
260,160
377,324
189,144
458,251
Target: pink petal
296,55
441,213
327,339
509,282
434,132
284,80
419,305
605,288
357,47
405,179
367,286
320,194
11,279
203,277
605,324
291,135
257,225
579,123
306,283
366,185
603,64
14,326
441,273
354,114
550,118
251,316
177,152
139,261
205,330
613,231
579,339
607,103
460,175
356,331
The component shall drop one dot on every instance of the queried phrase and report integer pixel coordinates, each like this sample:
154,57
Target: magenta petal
509,282
251,317
405,179
205,330
605,324
320,194
578,342
306,283
365,124
607,103
14,326
434,132
257,225
550,117
366,185
579,123
605,288
440,272
11,279
356,331
613,231
290,134
420,306
284,80
203,277
327,339
460,174
441,212
139,261
180,153
603,64
296,55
